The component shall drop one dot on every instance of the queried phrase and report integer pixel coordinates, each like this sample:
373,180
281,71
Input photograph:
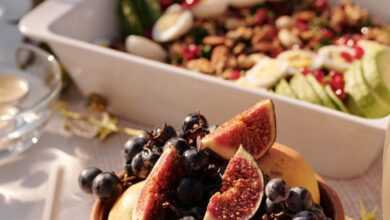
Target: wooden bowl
329,201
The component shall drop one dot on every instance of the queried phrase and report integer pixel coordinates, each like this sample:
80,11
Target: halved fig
255,129
166,172
241,192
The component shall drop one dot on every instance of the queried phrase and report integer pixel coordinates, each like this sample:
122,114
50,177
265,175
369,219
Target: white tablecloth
23,183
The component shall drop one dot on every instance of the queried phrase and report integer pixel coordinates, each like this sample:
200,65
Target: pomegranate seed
337,80
270,33
326,33
188,4
349,41
302,25
261,16
234,75
321,4
148,33
358,52
341,94
306,71
191,52
319,75
346,56
165,3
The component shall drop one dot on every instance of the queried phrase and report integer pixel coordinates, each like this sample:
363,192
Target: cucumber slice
128,18
376,72
361,96
339,104
320,91
302,88
148,11
284,89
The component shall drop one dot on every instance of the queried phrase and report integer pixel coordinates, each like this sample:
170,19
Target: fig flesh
241,192
254,128
166,172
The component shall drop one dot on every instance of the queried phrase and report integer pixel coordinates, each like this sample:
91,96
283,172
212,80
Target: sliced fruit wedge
284,89
267,72
302,88
360,95
298,58
167,171
320,91
123,207
241,192
376,70
332,58
254,128
283,162
339,104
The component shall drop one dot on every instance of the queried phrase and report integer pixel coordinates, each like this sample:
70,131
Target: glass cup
22,120
386,175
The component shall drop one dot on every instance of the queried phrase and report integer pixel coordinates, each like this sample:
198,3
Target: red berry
346,56
341,94
188,4
347,40
321,4
165,3
191,52
319,75
234,75
302,25
326,33
306,71
337,80
358,52
261,16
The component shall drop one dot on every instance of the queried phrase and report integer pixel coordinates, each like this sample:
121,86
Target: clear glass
386,175
21,122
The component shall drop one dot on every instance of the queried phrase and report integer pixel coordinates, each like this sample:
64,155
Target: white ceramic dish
337,144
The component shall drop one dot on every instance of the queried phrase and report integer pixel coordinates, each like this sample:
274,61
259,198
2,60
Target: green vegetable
320,91
148,11
284,89
198,33
302,88
206,51
361,96
128,19
339,104
376,69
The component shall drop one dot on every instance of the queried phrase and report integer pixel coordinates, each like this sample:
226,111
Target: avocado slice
376,72
336,101
302,88
320,91
284,89
360,95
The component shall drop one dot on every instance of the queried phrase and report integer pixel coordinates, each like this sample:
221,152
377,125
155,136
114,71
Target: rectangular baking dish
338,145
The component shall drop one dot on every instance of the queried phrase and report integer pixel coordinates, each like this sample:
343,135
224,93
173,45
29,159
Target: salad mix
330,55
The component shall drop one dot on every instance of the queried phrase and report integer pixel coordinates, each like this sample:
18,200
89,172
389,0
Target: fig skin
242,190
167,171
283,162
254,128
